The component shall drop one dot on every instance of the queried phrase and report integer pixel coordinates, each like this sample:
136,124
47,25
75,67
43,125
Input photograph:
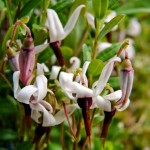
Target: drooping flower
76,88
127,75
56,30
41,111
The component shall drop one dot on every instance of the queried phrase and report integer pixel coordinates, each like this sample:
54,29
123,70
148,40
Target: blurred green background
130,129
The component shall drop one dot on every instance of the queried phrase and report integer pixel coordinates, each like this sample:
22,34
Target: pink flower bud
27,60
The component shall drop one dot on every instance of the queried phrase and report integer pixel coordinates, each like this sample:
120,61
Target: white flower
75,90
56,30
75,61
134,27
34,95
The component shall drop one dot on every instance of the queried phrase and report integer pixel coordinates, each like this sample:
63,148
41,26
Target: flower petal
22,95
40,48
90,19
55,72
102,103
124,106
41,83
75,61
85,67
72,21
60,115
114,96
48,118
55,27
106,72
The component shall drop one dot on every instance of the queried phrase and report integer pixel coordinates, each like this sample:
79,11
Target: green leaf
7,134
95,67
100,8
40,34
28,7
134,6
104,4
114,82
116,20
62,5
45,55
67,53
2,5
86,53
109,52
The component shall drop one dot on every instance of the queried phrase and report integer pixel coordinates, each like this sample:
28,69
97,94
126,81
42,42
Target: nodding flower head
127,75
27,60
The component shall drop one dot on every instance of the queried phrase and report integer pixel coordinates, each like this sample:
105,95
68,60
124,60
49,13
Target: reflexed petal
124,106
54,25
45,68
114,96
79,90
106,72
85,67
47,106
22,95
25,94
55,72
40,48
123,81
65,78
48,118
40,69
130,83
41,83
75,61
60,115
102,103
72,21
90,19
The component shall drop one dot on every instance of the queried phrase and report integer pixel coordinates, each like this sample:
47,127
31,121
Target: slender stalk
66,113
62,136
83,38
7,81
75,146
98,25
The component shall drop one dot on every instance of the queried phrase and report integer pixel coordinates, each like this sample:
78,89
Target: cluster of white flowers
74,86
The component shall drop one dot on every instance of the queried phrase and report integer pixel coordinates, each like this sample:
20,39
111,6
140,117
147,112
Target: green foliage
110,26
100,8
134,6
109,52
28,7
95,67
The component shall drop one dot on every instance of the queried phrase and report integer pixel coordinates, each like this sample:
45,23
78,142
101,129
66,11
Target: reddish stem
66,113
